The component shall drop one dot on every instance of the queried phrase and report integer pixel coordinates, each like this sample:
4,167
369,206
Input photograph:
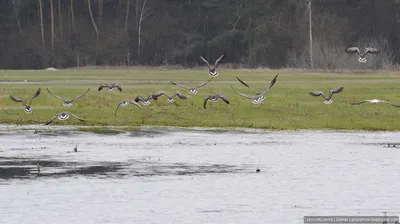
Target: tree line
38,34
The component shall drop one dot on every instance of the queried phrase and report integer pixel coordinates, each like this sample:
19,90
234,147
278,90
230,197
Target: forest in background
38,34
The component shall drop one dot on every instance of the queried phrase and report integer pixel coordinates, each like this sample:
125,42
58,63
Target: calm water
194,176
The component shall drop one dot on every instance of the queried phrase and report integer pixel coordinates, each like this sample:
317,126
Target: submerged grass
288,104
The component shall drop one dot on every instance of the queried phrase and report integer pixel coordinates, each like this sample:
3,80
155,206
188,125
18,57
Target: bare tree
17,17
94,26
310,33
60,19
144,12
42,32
128,6
72,14
52,28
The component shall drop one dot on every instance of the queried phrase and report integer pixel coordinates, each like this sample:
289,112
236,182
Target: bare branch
91,17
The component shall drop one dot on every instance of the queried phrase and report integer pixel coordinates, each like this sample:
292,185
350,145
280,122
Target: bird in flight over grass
361,56
214,98
62,116
124,103
170,99
328,100
192,89
68,103
28,107
374,101
259,97
111,87
212,68
145,101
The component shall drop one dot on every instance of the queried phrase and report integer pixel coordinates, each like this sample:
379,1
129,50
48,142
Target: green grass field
288,104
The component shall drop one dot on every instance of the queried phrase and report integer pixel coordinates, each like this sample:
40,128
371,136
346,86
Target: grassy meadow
288,104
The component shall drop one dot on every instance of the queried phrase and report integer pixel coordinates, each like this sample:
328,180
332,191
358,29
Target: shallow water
157,175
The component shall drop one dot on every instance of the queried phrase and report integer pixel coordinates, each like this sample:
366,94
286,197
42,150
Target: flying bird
124,103
212,69
214,98
374,101
63,116
261,92
254,99
68,103
111,87
169,98
192,89
361,56
328,100
28,108
145,101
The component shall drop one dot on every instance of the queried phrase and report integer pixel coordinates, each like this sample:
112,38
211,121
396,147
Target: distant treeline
252,33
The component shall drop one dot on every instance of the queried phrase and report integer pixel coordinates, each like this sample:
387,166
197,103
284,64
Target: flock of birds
257,98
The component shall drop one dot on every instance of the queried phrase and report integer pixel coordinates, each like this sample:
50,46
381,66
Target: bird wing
102,86
134,103
73,115
335,90
353,50
245,84
318,93
204,83
116,108
223,97
79,96
206,98
269,86
179,94
357,103
139,98
242,94
205,61
371,50
51,120
158,94
18,100
34,96
58,97
219,60
392,104
186,87
118,86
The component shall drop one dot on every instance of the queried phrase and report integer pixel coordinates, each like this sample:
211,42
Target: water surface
157,175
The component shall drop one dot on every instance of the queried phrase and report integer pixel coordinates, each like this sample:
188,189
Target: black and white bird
111,87
192,89
62,116
68,103
170,99
28,108
374,101
214,98
145,101
361,56
328,100
212,68
261,92
124,103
